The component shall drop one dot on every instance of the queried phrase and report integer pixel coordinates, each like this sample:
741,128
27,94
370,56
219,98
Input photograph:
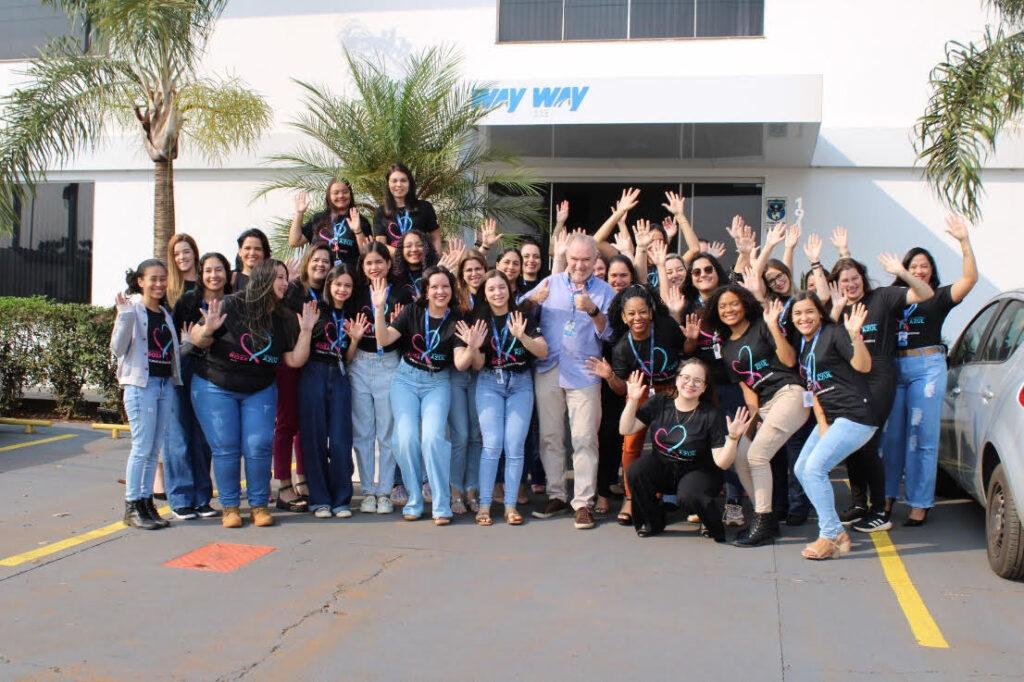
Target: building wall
874,58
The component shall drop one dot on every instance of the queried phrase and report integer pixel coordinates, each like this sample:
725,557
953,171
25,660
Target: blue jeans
910,442
149,410
420,401
372,421
237,425
187,455
819,456
464,426
505,409
798,502
325,428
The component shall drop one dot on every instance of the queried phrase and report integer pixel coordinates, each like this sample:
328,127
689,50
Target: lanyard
339,331
573,293
387,296
503,354
810,368
649,369
404,221
785,309
431,339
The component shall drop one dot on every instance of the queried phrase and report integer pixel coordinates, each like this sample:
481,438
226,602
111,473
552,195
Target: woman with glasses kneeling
691,444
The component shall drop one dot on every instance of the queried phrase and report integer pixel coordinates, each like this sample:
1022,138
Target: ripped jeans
910,442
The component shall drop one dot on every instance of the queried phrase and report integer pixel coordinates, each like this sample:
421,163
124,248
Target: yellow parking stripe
924,627
39,441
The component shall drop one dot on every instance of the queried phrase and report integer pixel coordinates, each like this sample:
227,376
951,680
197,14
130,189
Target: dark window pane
529,20
661,19
26,25
1006,334
967,349
730,17
595,19
727,140
627,140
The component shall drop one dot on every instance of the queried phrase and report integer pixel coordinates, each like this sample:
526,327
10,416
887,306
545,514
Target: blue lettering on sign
543,97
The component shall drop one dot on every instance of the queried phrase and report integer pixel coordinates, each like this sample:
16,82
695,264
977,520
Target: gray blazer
129,344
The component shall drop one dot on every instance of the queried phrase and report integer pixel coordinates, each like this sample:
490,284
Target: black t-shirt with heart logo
421,217
343,242
683,437
513,357
160,344
628,353
330,341
245,360
430,350
751,360
362,303
824,365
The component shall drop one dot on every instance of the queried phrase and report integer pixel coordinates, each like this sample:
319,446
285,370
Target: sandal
625,518
302,491
513,517
458,506
483,517
602,506
299,504
473,500
822,549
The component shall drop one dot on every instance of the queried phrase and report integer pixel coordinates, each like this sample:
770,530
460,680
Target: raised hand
854,320
307,319
746,241
674,203
753,283
622,220
395,312
716,249
561,213
735,230
691,328
477,334
561,244
623,244
628,201
301,202
599,367
836,295
213,316
354,222
675,302
186,330
890,262
540,293
812,248
772,312
671,227
776,235
642,232
120,299
840,240
488,233
517,325
659,253
454,248
583,301
635,388
357,328
739,424
793,236
379,293
956,227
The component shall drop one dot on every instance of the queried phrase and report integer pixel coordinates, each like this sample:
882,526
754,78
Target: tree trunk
163,207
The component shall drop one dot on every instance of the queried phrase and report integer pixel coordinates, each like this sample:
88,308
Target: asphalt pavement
377,598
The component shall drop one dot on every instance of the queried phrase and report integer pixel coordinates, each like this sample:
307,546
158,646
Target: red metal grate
220,557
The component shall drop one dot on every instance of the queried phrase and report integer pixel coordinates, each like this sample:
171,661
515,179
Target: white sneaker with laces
369,505
323,513
384,505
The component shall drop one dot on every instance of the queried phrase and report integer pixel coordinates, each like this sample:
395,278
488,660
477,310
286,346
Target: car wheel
1003,528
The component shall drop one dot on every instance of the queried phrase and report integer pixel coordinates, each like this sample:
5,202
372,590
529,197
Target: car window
967,347
1006,333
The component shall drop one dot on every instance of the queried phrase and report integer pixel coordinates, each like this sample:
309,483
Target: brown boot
232,518
261,517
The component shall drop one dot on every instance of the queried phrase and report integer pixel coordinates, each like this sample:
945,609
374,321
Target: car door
963,393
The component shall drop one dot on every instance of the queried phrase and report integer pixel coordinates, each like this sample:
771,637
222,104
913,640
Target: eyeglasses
772,281
687,380
706,270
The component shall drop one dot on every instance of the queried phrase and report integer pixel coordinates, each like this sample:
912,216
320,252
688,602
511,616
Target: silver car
983,424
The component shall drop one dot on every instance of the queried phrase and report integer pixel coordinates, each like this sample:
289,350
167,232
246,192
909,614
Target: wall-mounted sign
775,209
511,99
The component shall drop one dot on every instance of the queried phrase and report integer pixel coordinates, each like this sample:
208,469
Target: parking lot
374,597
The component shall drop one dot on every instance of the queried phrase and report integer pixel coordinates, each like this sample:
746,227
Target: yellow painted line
39,441
924,627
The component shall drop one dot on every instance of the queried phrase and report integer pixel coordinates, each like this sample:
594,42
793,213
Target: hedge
61,346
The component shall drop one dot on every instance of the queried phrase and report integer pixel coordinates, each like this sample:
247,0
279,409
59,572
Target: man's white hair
577,238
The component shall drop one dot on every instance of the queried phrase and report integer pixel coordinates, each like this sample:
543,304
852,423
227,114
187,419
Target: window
970,341
557,20
27,25
1006,334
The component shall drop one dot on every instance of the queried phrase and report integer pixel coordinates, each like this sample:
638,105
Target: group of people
452,373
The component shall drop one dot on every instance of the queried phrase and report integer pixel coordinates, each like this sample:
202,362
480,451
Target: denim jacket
129,344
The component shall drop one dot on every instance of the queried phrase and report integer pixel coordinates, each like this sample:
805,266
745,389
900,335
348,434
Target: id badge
717,348
902,338
500,374
808,399
650,392
570,328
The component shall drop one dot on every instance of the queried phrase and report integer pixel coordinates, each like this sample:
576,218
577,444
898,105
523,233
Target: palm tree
143,72
976,92
426,118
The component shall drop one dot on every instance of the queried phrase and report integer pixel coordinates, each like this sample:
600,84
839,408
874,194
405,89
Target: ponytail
131,277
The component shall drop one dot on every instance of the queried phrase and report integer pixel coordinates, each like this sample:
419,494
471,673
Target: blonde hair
175,279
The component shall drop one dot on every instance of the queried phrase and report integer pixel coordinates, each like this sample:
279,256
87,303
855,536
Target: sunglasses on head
706,270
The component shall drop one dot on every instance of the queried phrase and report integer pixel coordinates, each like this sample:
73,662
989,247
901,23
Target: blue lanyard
785,309
387,295
339,329
649,370
428,345
811,365
499,343
573,293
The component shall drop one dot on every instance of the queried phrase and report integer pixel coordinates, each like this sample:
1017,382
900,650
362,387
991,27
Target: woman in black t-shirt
339,224
247,335
758,357
652,344
834,362
691,443
414,254
253,249
867,472
910,443
503,388
420,390
325,398
404,211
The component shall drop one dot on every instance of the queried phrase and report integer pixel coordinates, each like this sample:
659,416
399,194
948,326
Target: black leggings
696,488
865,467
609,445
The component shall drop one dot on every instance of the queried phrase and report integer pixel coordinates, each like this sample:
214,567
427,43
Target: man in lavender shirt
573,320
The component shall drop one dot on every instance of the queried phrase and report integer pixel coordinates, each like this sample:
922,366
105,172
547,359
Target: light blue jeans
819,455
505,407
237,425
910,442
464,426
372,421
420,402
149,411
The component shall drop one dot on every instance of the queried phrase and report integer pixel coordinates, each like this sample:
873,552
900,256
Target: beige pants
584,406
783,416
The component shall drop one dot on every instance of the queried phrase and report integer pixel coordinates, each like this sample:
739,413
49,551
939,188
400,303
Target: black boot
135,515
761,531
154,515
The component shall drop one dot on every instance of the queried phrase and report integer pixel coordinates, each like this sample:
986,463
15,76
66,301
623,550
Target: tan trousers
783,416
584,407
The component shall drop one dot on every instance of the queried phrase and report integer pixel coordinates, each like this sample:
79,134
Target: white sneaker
384,505
343,514
369,505
323,513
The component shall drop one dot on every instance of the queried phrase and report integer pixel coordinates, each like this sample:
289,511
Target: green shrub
62,346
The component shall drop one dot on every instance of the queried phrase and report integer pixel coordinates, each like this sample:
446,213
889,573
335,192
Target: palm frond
222,115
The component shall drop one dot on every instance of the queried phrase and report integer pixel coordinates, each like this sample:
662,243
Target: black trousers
696,488
865,466
609,444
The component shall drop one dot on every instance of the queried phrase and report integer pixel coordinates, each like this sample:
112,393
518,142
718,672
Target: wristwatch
595,312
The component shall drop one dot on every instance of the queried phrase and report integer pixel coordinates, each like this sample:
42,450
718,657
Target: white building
789,98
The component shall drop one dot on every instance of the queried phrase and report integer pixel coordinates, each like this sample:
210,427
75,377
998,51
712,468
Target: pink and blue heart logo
247,344
662,436
163,339
751,377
